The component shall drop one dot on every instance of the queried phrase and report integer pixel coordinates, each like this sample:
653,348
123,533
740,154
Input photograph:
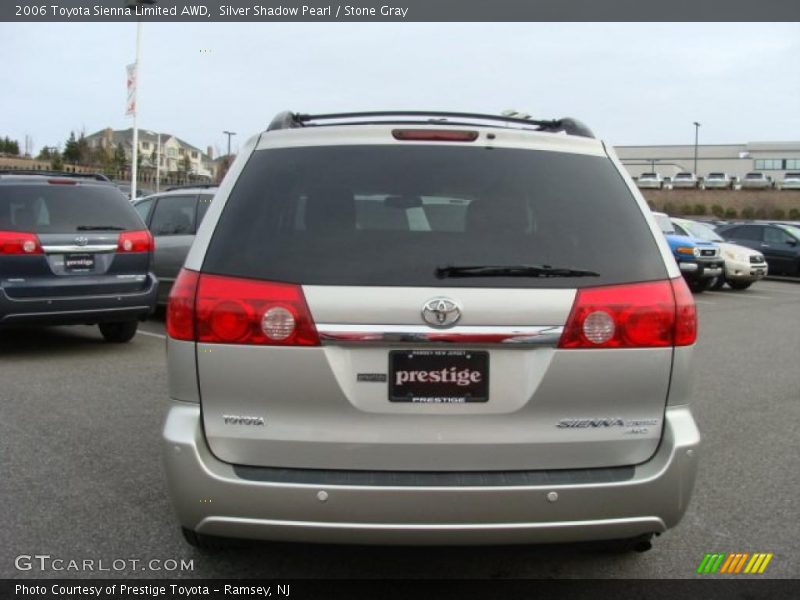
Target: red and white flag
130,105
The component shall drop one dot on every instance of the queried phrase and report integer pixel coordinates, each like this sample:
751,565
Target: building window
145,145
793,163
181,151
194,154
769,164
171,152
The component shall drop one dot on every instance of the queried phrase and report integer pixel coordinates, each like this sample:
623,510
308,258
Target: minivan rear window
65,208
391,215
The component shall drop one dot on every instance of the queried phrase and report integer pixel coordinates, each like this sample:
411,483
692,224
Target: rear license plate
438,376
79,262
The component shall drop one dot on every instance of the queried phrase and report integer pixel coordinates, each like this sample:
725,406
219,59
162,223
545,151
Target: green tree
72,153
44,154
56,161
120,161
84,151
9,146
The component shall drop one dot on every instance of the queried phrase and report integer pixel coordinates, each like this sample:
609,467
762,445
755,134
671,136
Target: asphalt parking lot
82,477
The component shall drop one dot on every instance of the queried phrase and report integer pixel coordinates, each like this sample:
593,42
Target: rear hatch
424,365
82,239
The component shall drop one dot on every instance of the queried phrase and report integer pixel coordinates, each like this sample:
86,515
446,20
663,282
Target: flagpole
135,154
158,164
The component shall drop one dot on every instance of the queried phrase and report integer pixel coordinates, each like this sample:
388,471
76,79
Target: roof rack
190,186
290,120
49,173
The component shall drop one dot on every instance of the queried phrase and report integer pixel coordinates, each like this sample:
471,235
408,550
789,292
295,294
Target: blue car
699,260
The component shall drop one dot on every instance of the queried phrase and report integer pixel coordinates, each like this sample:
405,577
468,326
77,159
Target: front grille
709,252
756,259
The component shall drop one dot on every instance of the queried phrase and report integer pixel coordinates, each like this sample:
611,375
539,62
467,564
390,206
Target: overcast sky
633,83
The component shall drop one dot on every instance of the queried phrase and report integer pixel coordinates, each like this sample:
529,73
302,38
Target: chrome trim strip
95,249
336,334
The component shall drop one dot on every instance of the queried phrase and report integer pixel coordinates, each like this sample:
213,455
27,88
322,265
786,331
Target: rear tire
740,285
118,333
641,543
207,543
698,286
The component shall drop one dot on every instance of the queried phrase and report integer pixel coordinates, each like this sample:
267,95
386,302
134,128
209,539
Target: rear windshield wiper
99,228
511,271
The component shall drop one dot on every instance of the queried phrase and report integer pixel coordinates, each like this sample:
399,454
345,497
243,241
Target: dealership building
772,158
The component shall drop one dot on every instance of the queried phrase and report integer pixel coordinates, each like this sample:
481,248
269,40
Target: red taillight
641,315
135,241
685,314
228,310
19,242
180,309
435,135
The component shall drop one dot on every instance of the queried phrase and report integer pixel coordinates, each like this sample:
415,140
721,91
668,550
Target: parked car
743,266
778,243
73,251
756,181
684,180
717,181
125,188
173,218
699,260
650,181
376,335
791,181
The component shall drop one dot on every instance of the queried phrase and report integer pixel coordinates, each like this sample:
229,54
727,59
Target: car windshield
792,176
716,176
683,176
701,231
664,223
792,230
753,176
648,176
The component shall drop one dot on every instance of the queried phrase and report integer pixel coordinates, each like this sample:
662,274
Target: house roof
125,137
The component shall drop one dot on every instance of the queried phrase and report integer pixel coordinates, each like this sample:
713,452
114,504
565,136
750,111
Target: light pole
696,130
132,4
229,134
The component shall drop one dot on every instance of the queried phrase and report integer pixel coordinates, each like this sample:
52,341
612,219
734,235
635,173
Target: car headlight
696,252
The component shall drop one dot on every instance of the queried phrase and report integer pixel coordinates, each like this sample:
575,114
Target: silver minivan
429,328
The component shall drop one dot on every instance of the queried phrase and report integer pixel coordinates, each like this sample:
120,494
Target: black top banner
400,10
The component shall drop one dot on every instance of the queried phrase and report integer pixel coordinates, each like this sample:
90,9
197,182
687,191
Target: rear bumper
212,498
78,309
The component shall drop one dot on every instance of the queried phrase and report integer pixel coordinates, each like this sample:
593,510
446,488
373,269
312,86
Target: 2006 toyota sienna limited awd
429,328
